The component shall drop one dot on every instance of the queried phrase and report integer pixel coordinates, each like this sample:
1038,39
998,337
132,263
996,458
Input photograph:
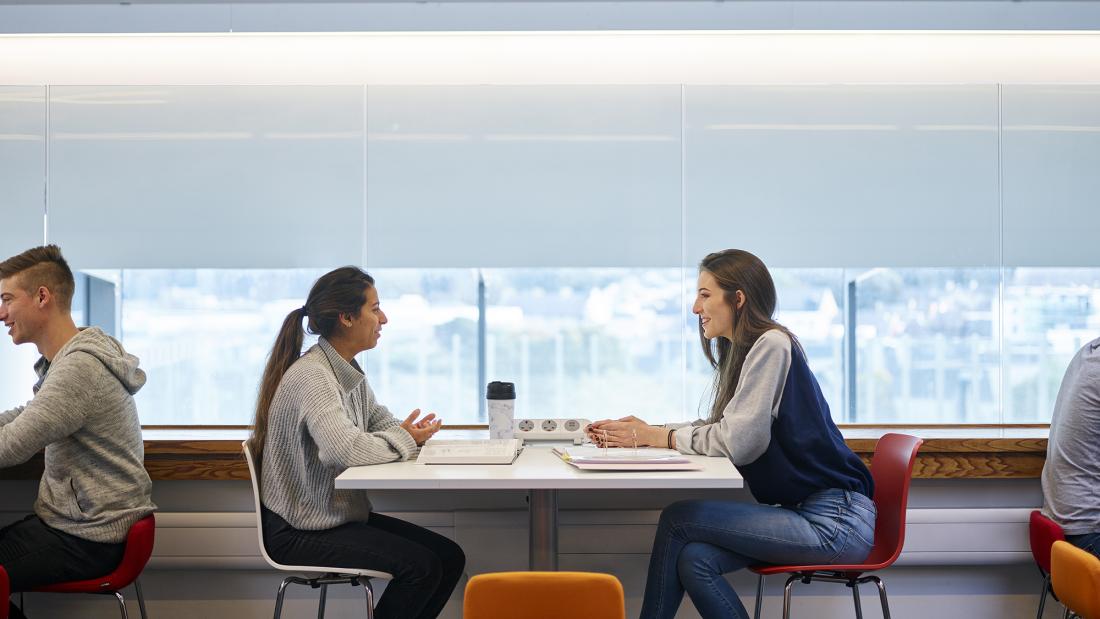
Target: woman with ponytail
771,420
316,415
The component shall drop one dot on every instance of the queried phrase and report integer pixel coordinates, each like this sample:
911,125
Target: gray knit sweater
324,419
83,414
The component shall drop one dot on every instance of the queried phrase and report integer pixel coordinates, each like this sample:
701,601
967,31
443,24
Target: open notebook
480,451
593,458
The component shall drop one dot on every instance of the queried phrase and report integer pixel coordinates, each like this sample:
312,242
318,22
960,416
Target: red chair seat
787,569
1042,533
139,547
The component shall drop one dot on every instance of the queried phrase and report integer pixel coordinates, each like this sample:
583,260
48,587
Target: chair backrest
254,475
892,468
1075,577
139,547
1043,533
544,595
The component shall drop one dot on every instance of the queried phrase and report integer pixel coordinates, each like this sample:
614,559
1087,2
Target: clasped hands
421,430
626,432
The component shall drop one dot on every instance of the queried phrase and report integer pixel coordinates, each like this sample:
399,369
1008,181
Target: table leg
543,509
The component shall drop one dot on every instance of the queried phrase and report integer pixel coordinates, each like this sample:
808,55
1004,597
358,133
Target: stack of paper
486,451
627,459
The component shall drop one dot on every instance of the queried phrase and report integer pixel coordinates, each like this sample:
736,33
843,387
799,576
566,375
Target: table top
536,468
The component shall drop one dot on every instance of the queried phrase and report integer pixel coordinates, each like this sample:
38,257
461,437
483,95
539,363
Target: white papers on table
626,459
483,451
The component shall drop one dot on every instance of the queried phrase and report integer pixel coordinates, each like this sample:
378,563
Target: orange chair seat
544,595
1075,575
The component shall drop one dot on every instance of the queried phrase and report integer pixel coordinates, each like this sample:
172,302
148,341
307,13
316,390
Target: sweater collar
349,375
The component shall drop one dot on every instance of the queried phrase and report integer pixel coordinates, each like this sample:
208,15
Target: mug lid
498,390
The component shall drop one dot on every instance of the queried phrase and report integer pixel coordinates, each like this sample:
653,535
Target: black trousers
426,566
35,555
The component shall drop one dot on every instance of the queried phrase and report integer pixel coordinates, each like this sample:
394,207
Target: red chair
5,593
139,546
891,467
1043,533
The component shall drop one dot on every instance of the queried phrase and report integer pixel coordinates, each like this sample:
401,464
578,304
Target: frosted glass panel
813,176
1051,149
22,167
22,180
205,176
523,176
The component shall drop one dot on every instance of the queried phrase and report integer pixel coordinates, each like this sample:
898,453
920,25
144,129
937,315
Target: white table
542,474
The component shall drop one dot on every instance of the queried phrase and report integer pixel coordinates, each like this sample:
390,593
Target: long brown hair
339,292
734,270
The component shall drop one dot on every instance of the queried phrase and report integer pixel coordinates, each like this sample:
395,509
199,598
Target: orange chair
1075,575
891,467
544,595
1042,533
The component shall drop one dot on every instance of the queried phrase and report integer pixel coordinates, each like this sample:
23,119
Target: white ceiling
755,57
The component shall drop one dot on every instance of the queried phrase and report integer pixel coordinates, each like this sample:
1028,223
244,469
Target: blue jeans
1089,542
699,541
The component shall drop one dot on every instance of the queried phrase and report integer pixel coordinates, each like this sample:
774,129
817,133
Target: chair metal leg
855,598
882,597
321,605
369,590
1043,596
122,605
1067,614
279,597
141,598
787,595
759,597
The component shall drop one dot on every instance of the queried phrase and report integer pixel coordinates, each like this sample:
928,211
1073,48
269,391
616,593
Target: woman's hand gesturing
421,430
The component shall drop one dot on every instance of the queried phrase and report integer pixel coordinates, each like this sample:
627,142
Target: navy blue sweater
806,452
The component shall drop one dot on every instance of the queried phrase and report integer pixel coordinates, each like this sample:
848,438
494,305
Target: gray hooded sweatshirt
95,485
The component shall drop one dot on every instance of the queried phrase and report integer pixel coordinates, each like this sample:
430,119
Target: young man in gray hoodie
95,486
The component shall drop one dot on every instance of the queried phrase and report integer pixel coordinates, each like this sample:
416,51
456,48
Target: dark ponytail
343,291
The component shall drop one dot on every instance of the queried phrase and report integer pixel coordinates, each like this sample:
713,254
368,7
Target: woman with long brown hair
316,415
771,420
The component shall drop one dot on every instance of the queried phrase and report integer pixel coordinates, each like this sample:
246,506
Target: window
427,357
931,244
592,343
1050,313
927,350
203,336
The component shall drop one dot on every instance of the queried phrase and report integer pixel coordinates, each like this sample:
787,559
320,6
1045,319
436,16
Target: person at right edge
1071,474
771,420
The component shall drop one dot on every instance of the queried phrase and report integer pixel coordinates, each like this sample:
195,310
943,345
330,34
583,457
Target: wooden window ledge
947,453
